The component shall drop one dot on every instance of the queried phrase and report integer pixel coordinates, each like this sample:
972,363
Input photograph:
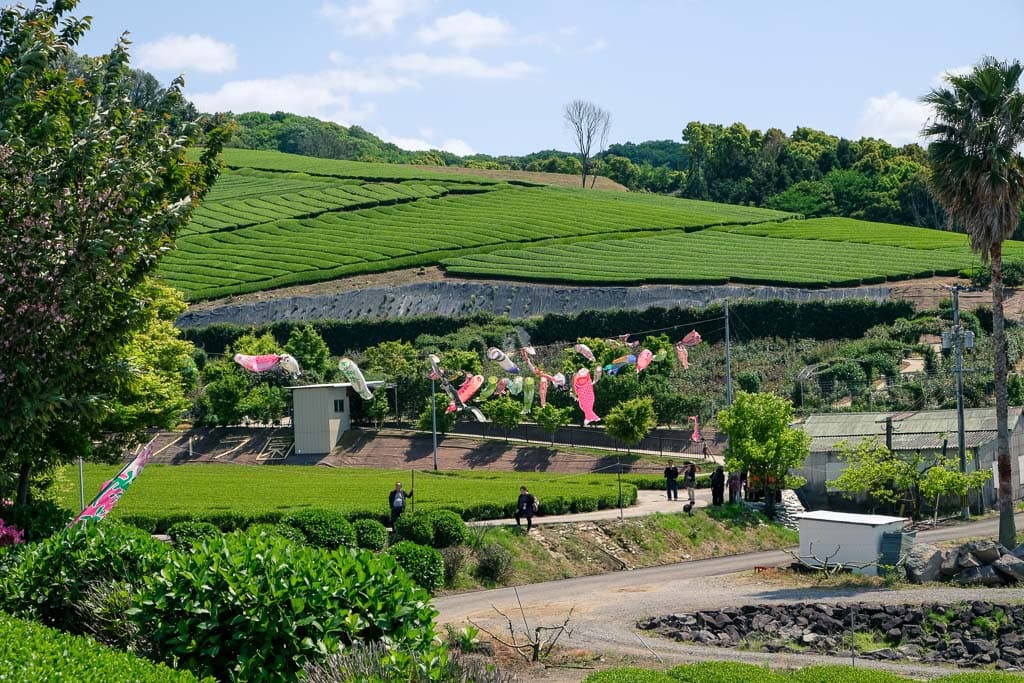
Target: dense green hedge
30,653
473,511
738,672
846,319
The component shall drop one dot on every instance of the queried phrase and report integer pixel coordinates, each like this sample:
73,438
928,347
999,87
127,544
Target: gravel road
606,607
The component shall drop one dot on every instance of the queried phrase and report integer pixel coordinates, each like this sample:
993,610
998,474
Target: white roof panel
849,518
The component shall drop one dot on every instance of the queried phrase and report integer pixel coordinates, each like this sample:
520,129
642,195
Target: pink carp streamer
502,387
584,351
691,339
466,391
683,355
695,437
543,391
585,395
643,360
258,363
112,491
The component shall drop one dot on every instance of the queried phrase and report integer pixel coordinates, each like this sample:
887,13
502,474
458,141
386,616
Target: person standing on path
718,486
671,483
525,507
690,482
396,501
734,487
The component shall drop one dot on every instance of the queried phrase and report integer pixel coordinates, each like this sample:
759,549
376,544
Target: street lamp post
433,419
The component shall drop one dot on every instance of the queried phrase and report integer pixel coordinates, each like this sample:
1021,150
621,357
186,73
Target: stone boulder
924,562
1010,566
986,552
980,576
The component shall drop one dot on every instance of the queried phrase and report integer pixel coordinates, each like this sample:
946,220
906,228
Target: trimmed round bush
370,534
423,563
494,562
184,534
48,579
323,528
417,527
37,520
449,529
257,608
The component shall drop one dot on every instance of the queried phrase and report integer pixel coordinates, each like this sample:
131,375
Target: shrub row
30,653
738,672
845,319
472,511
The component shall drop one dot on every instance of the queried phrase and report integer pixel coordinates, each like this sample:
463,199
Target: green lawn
203,490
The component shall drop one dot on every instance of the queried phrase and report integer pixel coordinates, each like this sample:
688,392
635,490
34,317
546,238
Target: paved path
606,607
647,503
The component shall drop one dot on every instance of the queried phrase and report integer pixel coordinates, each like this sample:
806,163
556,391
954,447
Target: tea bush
32,653
184,534
245,607
323,528
449,529
417,527
370,534
422,563
726,672
47,579
494,562
280,530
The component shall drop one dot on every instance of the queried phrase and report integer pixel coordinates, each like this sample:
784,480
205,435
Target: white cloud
326,95
457,146
467,67
598,45
187,53
940,79
466,30
423,144
893,118
372,17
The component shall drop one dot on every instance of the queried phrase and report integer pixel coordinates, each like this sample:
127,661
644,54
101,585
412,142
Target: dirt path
607,606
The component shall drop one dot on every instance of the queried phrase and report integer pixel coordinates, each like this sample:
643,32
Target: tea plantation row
714,256
235,496
736,672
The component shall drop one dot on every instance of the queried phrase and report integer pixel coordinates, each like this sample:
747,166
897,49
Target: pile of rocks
966,634
978,563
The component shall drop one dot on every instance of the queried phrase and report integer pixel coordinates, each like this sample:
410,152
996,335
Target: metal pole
619,473
398,419
728,359
412,487
958,341
81,484
433,420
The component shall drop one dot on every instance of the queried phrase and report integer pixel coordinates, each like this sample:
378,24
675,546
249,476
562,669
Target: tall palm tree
976,130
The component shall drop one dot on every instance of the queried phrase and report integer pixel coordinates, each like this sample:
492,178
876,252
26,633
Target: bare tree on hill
590,125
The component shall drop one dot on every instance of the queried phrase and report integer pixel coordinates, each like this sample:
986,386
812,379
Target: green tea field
276,219
166,492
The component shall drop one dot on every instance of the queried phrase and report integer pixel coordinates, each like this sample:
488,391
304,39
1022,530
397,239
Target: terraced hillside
276,219
283,220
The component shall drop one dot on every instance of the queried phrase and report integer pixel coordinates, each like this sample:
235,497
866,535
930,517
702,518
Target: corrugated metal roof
911,431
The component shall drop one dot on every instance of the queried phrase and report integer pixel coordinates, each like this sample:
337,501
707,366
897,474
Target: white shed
321,414
845,538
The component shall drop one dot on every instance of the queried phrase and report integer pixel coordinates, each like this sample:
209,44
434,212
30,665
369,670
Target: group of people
689,474
527,504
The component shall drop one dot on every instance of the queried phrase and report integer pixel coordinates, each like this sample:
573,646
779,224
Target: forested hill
809,172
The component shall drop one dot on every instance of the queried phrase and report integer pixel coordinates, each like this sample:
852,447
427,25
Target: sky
492,77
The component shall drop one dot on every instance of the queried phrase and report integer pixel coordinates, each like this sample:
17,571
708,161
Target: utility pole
433,419
728,359
957,338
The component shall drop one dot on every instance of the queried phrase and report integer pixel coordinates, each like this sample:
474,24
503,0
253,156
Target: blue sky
492,76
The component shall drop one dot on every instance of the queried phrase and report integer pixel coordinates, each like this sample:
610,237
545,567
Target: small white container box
844,538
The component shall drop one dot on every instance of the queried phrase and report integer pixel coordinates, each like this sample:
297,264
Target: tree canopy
94,189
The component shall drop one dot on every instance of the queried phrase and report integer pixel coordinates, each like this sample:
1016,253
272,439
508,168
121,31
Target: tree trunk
23,477
1007,528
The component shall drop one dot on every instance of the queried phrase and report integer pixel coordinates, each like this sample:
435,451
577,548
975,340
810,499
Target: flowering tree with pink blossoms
92,190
